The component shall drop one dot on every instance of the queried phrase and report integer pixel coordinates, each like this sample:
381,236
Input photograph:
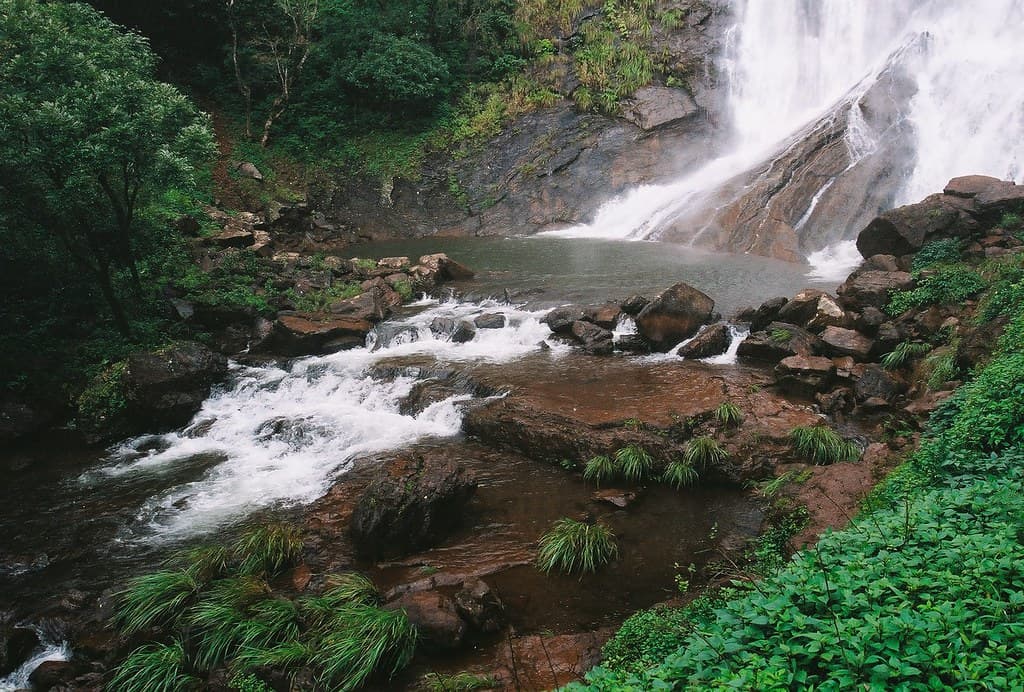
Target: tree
88,136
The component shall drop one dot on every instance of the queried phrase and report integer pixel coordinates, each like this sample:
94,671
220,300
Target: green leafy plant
781,335
248,682
404,290
947,284
942,251
903,353
268,549
351,587
635,463
680,474
772,487
362,639
728,414
155,599
822,445
600,469
459,682
704,451
154,668
573,546
941,366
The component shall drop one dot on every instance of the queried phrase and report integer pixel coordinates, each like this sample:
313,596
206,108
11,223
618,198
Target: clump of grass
268,549
822,445
285,656
573,546
903,353
941,367
351,587
703,451
361,640
154,668
781,335
772,487
205,562
460,682
155,599
599,469
728,414
634,462
679,474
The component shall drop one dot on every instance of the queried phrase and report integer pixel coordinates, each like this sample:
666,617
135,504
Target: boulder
709,342
247,169
806,373
904,230
674,315
632,343
827,313
372,306
882,263
233,236
395,263
847,342
479,606
51,674
779,340
634,304
165,388
969,185
439,626
464,332
16,644
594,339
998,199
310,333
390,334
763,315
616,497
560,320
654,106
411,504
800,308
878,383
872,288
441,267
442,326
606,316
490,320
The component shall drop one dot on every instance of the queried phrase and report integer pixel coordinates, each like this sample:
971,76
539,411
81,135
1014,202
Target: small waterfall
49,651
279,435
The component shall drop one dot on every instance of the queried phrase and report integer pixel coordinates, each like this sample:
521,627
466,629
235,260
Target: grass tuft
680,474
268,549
728,414
459,682
155,599
572,546
599,469
634,462
903,353
822,445
363,639
154,668
704,451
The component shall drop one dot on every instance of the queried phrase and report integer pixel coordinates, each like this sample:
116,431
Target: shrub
728,414
903,353
154,668
248,682
572,546
599,469
822,445
943,251
950,284
268,549
648,636
781,335
704,451
404,289
634,462
679,474
362,639
103,399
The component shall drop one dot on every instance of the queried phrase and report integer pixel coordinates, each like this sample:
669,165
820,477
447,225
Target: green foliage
235,282
266,550
397,69
459,682
634,463
103,399
572,546
781,335
704,451
821,444
946,284
351,587
941,366
680,474
943,251
155,599
903,353
247,682
728,414
772,487
1011,221
362,639
321,300
600,469
154,668
404,289
648,636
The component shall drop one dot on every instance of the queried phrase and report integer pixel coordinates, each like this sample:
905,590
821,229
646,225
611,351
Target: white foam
18,680
834,262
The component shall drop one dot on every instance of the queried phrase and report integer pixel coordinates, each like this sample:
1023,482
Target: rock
905,229
870,319
709,342
634,304
808,373
547,662
464,332
835,401
441,267
615,497
395,263
969,185
490,320
927,404
560,320
479,606
442,326
436,620
247,169
877,383
372,306
166,388
304,334
632,343
654,106
872,288
674,315
766,313
779,341
16,644
594,339
887,336
389,334
339,266
605,316
827,313
439,386
233,237
882,263
411,504
1001,197
52,674
847,342
800,308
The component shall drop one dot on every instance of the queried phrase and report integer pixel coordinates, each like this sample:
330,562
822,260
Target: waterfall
795,69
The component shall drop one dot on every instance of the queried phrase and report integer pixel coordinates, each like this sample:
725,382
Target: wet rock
479,606
847,342
906,229
654,106
16,644
310,333
969,185
827,313
634,304
764,314
800,308
779,340
411,504
605,316
372,306
437,387
439,625
247,169
999,198
615,497
541,662
882,263
594,339
51,674
632,343
388,335
872,288
927,404
808,373
165,388
676,314
395,263
870,319
710,342
464,332
441,267
560,320
442,326
836,401
491,320
878,383
887,336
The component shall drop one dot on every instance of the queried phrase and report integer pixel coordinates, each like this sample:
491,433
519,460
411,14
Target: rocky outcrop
165,388
676,314
594,339
651,107
805,373
709,342
309,333
779,340
847,342
868,287
411,504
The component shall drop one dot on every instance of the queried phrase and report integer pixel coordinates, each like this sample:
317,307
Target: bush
362,639
943,251
949,284
647,637
822,445
154,668
155,599
573,546
268,549
634,462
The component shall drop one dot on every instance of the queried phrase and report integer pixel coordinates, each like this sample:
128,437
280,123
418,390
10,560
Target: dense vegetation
925,590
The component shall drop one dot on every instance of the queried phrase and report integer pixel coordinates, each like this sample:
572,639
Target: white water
789,62
280,436
18,680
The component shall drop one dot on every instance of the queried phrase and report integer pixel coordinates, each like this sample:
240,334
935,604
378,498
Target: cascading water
795,67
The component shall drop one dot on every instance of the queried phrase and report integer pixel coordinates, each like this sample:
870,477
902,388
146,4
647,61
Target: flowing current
791,63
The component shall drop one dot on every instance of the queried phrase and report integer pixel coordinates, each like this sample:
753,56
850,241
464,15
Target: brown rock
878,383
827,313
538,662
615,497
674,315
812,373
905,229
560,320
634,304
441,267
872,288
606,316
310,333
435,618
479,606
881,263
396,263
801,307
847,342
165,388
969,185
779,341
593,338
654,106
490,320
927,403
764,315
709,342
233,236
373,305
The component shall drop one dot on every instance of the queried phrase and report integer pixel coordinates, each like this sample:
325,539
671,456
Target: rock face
808,373
165,388
652,107
779,340
710,342
411,504
847,342
674,315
